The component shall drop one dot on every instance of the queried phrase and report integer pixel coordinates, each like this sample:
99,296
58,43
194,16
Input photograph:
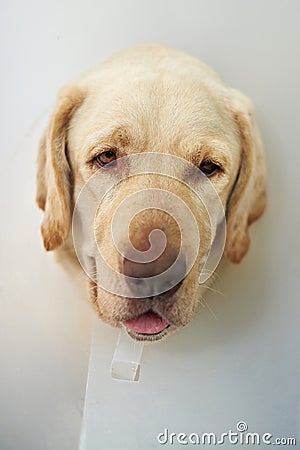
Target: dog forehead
153,99
152,113
162,101
151,79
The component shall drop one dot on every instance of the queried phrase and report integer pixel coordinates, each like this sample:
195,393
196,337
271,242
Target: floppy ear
248,198
53,171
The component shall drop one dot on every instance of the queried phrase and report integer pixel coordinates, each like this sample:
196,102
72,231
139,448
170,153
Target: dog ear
248,198
53,170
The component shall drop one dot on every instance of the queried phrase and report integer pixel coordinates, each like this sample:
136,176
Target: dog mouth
149,326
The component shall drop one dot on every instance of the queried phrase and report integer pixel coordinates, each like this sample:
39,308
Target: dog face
149,101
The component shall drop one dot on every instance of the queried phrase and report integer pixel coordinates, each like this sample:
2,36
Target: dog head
148,102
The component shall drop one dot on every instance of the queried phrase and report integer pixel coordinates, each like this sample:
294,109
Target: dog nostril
137,281
171,290
155,279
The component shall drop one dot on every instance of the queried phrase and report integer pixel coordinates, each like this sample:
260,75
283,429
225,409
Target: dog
148,102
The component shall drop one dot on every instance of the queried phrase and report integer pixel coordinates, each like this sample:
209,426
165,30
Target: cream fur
160,100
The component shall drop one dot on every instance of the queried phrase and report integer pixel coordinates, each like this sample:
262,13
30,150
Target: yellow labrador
166,113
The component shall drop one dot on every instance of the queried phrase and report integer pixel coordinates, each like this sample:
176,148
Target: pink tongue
147,323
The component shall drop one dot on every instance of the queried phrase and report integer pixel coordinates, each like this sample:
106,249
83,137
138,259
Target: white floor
239,359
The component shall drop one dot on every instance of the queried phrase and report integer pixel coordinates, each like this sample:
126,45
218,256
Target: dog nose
161,277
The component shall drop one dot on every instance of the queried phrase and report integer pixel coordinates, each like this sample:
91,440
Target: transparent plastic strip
125,365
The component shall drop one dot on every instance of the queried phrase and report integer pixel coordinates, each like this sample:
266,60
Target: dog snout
152,262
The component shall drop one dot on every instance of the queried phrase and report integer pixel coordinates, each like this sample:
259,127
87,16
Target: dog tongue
147,323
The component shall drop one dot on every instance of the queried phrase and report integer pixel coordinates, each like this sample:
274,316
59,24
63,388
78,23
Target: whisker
213,275
213,290
209,308
198,300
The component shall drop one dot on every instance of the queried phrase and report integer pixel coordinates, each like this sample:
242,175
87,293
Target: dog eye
105,158
209,168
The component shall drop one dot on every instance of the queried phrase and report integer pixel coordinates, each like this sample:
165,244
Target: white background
241,365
